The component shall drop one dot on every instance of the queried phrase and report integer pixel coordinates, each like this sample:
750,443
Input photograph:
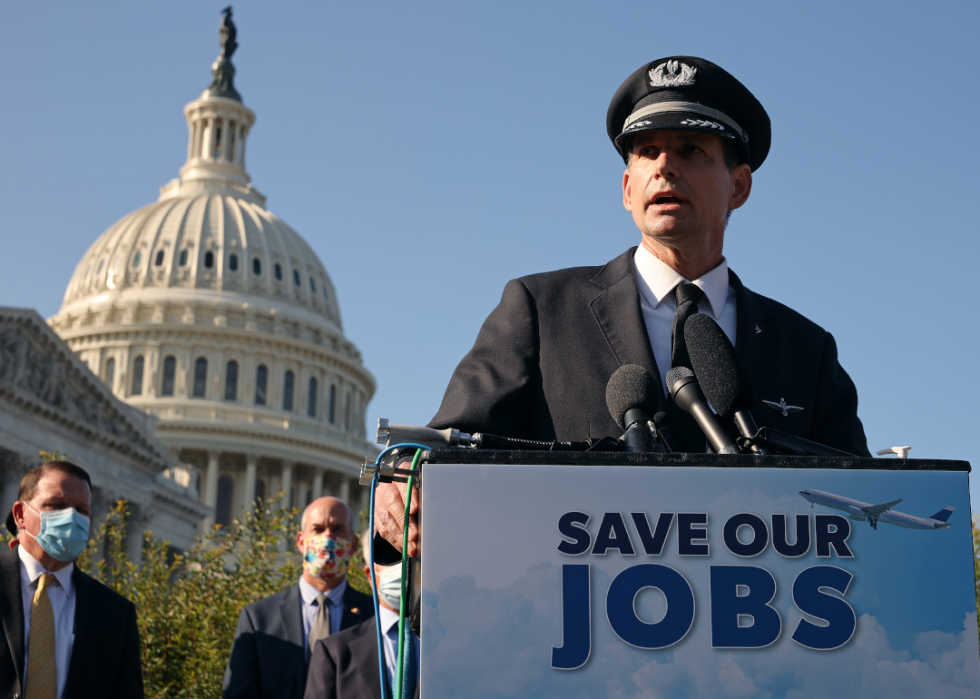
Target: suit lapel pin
781,405
355,610
757,329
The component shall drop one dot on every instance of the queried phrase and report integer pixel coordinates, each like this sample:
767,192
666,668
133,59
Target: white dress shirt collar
34,570
309,593
656,281
388,619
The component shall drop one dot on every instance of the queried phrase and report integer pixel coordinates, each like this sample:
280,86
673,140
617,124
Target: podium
571,574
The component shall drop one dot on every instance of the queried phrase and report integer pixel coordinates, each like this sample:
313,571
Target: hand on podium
389,516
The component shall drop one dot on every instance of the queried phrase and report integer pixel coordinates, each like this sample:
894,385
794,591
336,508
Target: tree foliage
976,563
188,604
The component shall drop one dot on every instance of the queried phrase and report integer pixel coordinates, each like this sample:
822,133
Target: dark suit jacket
541,362
105,657
267,659
345,666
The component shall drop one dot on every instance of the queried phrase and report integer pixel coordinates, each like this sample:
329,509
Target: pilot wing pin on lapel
781,406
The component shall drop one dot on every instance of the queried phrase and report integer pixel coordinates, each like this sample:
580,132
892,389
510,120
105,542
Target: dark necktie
320,628
687,434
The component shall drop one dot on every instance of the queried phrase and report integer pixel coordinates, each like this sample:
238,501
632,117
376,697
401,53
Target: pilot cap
686,93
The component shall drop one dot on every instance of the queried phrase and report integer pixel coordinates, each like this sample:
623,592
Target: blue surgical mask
63,534
390,585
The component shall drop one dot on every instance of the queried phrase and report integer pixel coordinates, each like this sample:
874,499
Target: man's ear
626,190
19,516
741,186
299,542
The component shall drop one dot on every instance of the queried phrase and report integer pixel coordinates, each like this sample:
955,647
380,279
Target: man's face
55,491
679,189
328,516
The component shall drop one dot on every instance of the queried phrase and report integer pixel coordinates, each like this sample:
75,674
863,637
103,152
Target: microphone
722,375
633,399
686,394
659,420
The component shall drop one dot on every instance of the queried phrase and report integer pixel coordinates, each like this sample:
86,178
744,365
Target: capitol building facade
210,314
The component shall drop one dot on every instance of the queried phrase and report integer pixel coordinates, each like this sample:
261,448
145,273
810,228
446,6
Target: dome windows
287,390
233,263
101,265
256,266
323,288
312,285
169,374
208,259
137,258
183,257
296,277
278,271
311,398
137,387
159,258
200,377
222,508
231,380
261,384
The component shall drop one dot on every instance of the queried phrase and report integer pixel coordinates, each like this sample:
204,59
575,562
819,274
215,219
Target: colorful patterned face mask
326,557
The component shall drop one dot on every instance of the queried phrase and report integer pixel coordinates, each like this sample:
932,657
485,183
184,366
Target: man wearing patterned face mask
276,635
345,666
67,635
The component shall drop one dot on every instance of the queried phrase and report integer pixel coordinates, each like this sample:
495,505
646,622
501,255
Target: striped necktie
42,668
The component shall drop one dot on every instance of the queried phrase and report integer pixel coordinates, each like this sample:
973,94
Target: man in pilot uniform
691,136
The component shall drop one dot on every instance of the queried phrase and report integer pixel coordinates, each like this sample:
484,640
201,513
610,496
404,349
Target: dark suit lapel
290,611
753,330
617,311
86,621
355,607
12,609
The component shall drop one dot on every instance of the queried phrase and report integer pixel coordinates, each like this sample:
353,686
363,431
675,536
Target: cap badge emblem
703,123
782,407
672,74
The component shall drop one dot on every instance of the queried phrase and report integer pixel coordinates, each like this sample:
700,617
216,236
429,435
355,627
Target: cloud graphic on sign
487,643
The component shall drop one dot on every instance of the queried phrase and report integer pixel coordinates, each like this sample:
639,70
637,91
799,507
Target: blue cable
382,668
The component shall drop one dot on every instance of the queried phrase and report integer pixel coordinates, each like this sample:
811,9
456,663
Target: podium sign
543,580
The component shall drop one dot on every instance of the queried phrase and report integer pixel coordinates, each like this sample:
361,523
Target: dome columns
218,128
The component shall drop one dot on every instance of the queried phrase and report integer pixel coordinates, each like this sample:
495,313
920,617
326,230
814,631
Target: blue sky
430,152
495,604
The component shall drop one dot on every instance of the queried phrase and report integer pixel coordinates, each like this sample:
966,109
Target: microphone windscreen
720,372
631,386
661,419
676,375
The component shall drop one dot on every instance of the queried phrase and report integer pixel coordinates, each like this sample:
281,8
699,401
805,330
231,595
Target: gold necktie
42,669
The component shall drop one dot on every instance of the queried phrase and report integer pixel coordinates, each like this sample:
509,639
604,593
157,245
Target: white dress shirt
335,603
656,281
389,627
62,596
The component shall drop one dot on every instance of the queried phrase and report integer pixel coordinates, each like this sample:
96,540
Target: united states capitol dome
202,241
209,313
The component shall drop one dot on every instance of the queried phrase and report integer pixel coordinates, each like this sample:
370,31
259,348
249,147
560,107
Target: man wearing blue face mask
67,636
345,665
